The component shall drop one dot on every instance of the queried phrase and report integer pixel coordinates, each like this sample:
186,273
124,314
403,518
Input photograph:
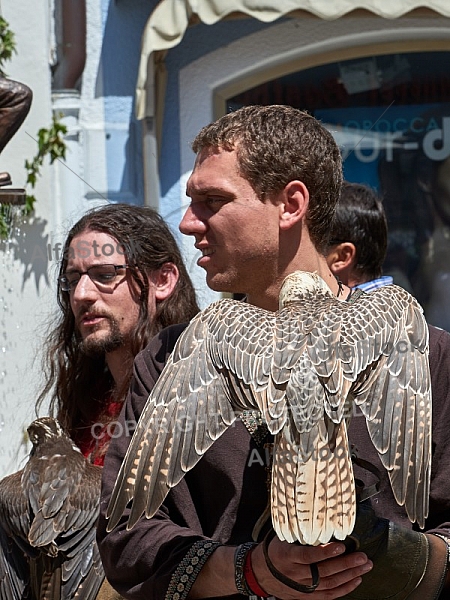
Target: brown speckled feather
303,367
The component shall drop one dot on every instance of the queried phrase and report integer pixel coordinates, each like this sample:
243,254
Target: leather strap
306,589
366,492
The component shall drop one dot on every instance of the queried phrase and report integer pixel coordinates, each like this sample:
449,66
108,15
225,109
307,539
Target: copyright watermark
185,424
82,249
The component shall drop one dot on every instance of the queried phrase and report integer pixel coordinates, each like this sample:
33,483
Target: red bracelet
250,578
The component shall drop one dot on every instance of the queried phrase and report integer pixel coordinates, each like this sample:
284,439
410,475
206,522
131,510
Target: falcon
48,516
304,367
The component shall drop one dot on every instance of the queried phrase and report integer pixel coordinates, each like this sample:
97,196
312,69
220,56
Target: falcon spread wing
303,367
48,512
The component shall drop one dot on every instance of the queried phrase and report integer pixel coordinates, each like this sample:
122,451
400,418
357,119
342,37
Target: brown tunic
219,501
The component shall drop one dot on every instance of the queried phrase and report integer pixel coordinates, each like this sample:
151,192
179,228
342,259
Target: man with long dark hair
121,280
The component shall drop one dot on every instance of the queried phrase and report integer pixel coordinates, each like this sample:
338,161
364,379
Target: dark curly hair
277,144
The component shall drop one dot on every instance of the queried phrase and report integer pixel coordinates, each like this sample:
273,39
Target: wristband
239,561
250,578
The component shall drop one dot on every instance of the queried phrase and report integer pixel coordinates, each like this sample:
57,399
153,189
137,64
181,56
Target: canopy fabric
170,19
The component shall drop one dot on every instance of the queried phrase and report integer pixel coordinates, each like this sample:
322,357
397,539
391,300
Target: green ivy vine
50,143
7,43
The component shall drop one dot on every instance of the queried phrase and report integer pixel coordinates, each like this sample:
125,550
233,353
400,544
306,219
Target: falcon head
301,284
44,429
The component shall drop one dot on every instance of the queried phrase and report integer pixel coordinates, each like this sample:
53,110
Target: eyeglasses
102,275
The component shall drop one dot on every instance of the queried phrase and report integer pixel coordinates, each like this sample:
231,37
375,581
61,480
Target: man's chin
96,346
219,283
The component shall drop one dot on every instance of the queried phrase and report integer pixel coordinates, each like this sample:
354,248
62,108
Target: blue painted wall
123,22
198,40
123,25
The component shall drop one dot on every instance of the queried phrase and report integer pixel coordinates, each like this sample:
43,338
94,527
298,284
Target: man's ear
294,203
341,259
164,280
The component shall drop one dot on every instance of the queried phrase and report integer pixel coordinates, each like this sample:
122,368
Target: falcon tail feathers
313,501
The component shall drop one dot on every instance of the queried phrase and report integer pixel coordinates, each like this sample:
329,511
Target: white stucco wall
24,293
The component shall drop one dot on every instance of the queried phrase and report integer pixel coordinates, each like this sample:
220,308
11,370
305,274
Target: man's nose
192,223
85,289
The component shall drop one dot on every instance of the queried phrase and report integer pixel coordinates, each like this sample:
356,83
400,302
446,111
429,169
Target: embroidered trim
188,569
239,561
255,424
